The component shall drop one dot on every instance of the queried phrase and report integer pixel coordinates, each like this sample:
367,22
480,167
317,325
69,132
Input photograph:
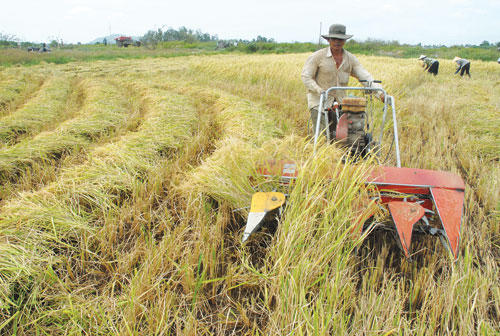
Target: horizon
428,22
323,41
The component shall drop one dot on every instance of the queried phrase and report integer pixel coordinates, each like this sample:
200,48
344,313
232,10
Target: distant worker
463,66
332,66
498,60
105,41
429,64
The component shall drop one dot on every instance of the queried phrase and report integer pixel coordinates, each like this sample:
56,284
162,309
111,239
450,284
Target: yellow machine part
266,201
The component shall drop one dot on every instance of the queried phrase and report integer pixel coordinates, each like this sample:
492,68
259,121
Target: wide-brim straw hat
337,31
456,58
422,57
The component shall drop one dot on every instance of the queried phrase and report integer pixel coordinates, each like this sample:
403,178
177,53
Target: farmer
332,66
429,64
463,66
498,60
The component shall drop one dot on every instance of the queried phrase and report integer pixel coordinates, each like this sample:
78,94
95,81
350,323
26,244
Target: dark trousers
434,68
465,69
332,121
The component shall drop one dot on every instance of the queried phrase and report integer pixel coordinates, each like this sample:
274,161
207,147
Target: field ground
124,185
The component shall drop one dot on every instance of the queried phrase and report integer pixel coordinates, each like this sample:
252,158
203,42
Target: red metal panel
403,189
123,38
415,177
405,215
342,128
426,203
449,204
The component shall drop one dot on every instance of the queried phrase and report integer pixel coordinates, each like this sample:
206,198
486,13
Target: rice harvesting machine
418,200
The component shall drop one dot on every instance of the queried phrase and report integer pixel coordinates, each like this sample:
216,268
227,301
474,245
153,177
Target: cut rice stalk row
43,110
73,207
104,111
15,88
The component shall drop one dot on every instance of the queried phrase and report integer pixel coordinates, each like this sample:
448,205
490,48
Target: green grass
167,49
11,57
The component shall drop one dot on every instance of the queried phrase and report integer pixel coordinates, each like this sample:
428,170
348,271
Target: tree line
186,38
153,37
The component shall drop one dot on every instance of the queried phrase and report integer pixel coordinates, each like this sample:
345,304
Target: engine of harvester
350,125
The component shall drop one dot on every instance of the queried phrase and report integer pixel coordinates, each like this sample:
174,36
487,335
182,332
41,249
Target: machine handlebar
367,81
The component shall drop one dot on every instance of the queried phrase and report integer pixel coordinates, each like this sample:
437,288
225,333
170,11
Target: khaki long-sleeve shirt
320,73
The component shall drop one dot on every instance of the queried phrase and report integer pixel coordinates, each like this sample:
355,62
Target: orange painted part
403,180
449,204
415,177
342,128
405,215
404,189
427,203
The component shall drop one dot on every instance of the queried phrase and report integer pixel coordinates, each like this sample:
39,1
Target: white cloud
80,10
116,15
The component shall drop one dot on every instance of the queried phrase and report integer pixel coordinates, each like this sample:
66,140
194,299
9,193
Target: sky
429,22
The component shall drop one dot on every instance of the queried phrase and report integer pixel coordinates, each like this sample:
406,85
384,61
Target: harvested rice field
125,186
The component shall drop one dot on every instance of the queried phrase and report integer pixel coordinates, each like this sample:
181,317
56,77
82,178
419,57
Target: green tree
485,44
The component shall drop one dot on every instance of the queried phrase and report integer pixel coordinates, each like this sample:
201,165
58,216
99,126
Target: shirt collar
329,52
